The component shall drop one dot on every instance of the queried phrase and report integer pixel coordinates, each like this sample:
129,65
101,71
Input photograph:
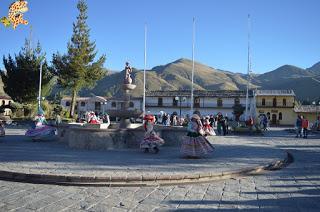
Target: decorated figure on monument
151,140
128,70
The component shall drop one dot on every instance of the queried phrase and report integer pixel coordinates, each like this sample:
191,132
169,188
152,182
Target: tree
238,110
77,69
21,74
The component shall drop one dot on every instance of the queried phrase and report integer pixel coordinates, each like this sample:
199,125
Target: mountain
177,76
315,69
172,76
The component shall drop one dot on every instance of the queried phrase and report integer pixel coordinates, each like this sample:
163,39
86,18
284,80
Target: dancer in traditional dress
41,130
195,144
151,140
91,118
207,127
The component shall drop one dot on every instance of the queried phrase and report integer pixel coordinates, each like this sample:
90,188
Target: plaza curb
141,180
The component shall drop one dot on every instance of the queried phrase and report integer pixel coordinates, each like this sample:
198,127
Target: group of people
209,122
194,145
302,127
92,118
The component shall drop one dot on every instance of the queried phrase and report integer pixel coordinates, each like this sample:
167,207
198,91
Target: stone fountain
124,136
124,113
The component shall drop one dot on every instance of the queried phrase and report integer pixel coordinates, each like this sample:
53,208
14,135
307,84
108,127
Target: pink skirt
151,141
196,147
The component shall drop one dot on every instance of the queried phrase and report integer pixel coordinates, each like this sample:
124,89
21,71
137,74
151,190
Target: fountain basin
104,139
128,86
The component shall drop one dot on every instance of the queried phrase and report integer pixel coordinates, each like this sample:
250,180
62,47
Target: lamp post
103,106
315,104
180,99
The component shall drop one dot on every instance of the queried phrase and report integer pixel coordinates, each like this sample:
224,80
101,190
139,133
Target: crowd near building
279,106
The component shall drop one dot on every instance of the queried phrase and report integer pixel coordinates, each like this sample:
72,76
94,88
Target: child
151,140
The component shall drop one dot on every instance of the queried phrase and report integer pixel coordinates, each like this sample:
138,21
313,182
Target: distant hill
172,76
315,69
177,76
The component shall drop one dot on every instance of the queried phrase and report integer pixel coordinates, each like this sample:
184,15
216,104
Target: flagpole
40,82
192,73
248,68
144,70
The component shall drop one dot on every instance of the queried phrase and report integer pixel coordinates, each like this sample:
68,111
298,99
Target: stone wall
102,139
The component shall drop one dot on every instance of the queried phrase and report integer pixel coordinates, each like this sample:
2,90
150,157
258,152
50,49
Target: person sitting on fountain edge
151,140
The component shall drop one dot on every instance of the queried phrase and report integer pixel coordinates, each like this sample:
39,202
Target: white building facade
179,102
98,104
206,102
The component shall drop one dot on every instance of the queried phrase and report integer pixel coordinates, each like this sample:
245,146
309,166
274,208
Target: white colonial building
206,102
98,104
135,103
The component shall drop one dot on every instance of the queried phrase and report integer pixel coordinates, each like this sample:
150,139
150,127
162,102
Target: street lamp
103,106
180,99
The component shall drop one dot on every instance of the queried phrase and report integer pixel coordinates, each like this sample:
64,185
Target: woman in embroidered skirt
195,144
207,127
151,140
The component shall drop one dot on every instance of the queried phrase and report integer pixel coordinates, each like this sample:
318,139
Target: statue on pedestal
128,70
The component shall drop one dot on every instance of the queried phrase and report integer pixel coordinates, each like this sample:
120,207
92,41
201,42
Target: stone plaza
243,163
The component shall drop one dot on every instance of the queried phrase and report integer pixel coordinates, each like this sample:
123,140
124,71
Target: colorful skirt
150,141
208,130
196,147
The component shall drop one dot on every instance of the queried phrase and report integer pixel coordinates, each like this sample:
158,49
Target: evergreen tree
77,69
21,74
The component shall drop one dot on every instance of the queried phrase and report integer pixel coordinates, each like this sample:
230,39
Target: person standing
195,144
298,126
219,123
305,127
151,140
211,120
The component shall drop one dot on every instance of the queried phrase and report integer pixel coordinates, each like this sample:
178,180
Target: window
175,101
237,101
9,103
280,116
131,104
274,102
284,102
160,101
83,104
219,102
268,115
113,104
3,102
97,106
197,102
263,102
67,104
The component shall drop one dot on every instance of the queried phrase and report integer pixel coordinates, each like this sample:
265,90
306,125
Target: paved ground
295,188
20,154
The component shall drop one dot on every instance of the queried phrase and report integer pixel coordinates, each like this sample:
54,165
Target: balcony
270,105
187,105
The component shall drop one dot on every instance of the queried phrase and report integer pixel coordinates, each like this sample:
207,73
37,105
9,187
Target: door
274,119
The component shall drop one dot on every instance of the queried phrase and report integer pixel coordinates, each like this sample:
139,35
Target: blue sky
283,31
